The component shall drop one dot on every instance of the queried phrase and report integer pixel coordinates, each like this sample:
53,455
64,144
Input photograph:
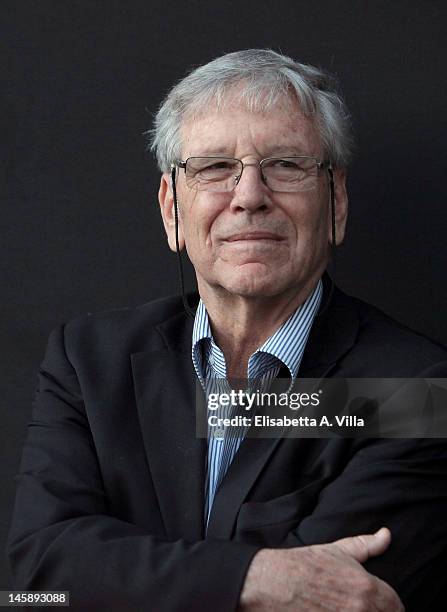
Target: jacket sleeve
402,485
63,538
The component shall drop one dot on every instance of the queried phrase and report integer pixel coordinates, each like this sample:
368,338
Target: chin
253,283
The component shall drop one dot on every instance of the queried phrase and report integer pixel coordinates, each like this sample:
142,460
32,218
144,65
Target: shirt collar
289,341
287,344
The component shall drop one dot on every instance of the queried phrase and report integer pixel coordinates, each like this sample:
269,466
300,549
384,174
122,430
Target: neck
240,325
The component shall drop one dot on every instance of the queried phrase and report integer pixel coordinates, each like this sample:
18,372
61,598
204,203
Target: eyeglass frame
321,165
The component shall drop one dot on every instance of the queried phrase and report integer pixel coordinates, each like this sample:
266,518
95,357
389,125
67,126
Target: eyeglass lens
221,174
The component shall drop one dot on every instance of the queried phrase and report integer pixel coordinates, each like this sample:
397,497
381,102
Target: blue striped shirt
284,348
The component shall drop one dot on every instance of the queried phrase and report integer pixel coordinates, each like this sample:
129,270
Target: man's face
254,242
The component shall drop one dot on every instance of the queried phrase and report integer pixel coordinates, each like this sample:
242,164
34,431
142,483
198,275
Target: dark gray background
80,225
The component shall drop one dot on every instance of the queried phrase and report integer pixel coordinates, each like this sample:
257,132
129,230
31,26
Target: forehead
235,130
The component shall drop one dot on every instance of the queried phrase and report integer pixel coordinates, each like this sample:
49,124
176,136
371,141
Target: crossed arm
320,577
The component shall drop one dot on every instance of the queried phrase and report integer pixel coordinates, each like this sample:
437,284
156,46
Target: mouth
254,236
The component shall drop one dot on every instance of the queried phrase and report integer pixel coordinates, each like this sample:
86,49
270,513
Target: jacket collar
333,333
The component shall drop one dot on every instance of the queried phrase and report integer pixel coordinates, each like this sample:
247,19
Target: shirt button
219,434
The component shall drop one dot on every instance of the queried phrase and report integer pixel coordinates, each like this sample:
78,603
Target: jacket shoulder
131,329
386,341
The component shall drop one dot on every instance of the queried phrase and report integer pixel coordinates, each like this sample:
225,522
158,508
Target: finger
389,600
363,547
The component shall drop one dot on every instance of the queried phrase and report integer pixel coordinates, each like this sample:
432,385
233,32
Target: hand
320,577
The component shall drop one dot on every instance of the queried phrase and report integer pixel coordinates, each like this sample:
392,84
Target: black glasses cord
330,292
186,305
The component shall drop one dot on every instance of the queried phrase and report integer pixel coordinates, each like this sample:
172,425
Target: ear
341,206
166,200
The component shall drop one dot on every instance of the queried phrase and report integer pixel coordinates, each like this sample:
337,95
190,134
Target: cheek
310,226
200,219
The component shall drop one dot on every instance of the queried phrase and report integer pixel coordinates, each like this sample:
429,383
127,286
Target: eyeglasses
222,174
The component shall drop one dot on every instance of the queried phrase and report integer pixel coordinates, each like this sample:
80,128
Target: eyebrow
207,152
284,151
276,151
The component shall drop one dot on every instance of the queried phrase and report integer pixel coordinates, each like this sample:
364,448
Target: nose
251,193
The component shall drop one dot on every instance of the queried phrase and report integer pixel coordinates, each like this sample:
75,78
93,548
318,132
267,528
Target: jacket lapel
165,390
333,333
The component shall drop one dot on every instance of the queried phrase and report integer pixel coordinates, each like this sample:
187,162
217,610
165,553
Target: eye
286,169
221,165
292,164
285,163
214,170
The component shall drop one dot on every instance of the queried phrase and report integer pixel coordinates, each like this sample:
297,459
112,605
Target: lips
244,236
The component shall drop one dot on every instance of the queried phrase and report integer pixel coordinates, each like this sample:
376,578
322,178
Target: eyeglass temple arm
325,165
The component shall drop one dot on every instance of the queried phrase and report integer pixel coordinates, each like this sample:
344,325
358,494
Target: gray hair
266,78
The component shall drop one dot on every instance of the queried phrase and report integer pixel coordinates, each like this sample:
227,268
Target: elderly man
119,501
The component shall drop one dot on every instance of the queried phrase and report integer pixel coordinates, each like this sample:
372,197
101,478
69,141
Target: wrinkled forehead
275,125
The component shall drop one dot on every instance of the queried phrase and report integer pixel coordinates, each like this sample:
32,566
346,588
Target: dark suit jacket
110,497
